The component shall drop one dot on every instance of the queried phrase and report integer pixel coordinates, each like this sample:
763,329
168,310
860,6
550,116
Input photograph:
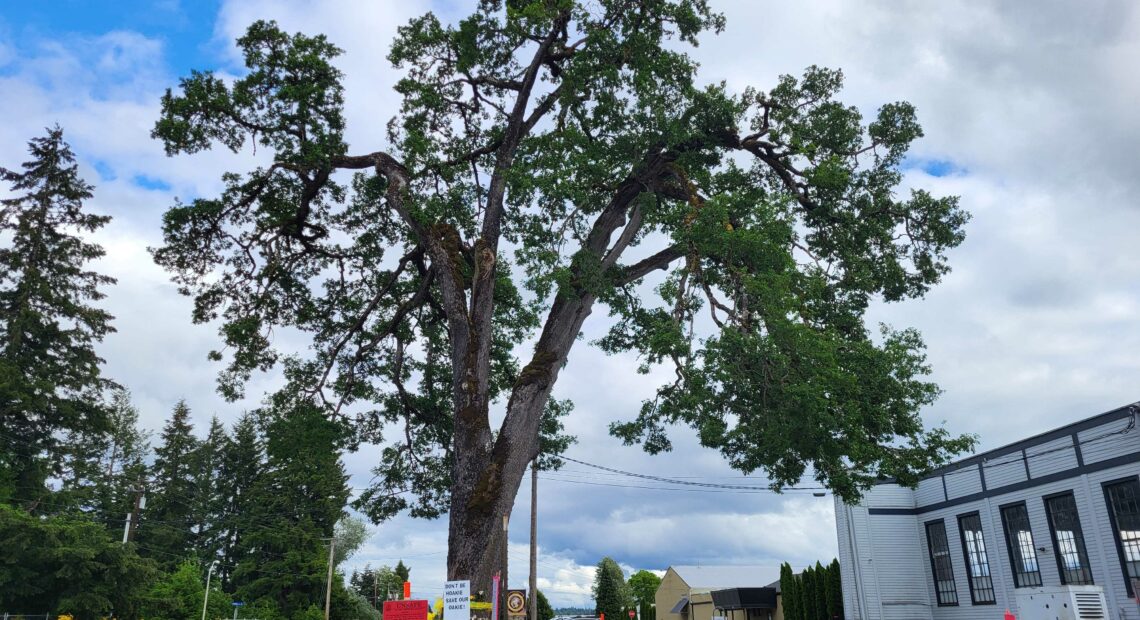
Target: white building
1058,509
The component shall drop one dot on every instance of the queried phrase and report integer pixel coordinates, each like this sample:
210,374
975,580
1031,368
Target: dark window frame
1116,528
983,559
938,592
1013,548
1079,540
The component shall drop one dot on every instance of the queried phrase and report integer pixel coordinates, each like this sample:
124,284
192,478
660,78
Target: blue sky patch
106,172
151,183
934,167
185,27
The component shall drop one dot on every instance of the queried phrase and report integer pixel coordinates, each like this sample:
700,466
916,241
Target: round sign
516,603
631,613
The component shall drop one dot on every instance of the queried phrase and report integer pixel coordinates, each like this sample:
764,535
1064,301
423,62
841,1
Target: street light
206,596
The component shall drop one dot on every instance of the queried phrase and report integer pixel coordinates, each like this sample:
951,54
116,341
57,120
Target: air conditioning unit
1061,603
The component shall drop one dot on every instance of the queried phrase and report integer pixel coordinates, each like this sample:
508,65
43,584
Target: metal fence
11,616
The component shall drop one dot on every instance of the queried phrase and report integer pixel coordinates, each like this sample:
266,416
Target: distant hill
573,611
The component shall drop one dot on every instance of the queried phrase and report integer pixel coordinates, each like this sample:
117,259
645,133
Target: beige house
742,593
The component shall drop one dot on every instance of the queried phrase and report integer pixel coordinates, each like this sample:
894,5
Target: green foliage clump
814,594
68,564
612,595
545,611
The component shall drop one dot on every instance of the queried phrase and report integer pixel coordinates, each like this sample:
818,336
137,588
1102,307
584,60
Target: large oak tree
549,157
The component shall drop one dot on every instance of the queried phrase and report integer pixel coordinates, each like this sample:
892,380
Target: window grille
977,561
1019,541
940,565
1123,500
1068,540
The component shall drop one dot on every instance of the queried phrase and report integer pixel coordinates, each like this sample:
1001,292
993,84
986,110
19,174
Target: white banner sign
457,600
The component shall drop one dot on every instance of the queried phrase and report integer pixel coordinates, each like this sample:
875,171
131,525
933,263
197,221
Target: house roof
718,577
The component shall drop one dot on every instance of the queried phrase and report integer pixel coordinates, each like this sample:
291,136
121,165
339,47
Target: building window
940,563
1068,541
977,561
1123,500
1019,541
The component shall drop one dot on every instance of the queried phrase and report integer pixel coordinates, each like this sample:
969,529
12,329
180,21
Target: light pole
206,596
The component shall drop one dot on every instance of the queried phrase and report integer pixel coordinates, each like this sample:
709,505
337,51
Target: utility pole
374,589
328,586
133,516
503,580
534,539
206,596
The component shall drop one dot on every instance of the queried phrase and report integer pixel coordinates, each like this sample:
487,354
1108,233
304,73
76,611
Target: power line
712,485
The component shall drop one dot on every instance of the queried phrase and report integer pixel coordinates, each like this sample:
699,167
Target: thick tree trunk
487,477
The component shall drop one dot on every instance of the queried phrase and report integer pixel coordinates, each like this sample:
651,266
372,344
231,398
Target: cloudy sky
1030,111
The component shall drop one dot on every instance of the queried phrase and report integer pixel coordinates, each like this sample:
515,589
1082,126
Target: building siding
930,491
1005,470
1051,457
1107,441
963,482
670,591
885,542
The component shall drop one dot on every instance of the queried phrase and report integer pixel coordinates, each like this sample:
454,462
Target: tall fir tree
124,466
209,498
166,529
50,381
298,500
402,571
241,467
115,463
611,592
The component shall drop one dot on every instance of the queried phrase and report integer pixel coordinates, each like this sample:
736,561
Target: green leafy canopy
549,156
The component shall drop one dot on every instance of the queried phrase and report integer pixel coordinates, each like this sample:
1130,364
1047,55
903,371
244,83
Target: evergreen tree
788,593
50,382
362,582
166,529
297,502
403,572
208,503
545,611
68,564
834,590
123,462
819,574
241,467
611,592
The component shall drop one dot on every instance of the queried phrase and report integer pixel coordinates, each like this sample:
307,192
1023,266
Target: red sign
632,613
407,590
405,610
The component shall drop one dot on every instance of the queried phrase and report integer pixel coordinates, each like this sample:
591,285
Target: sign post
495,597
516,604
237,604
406,610
457,600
